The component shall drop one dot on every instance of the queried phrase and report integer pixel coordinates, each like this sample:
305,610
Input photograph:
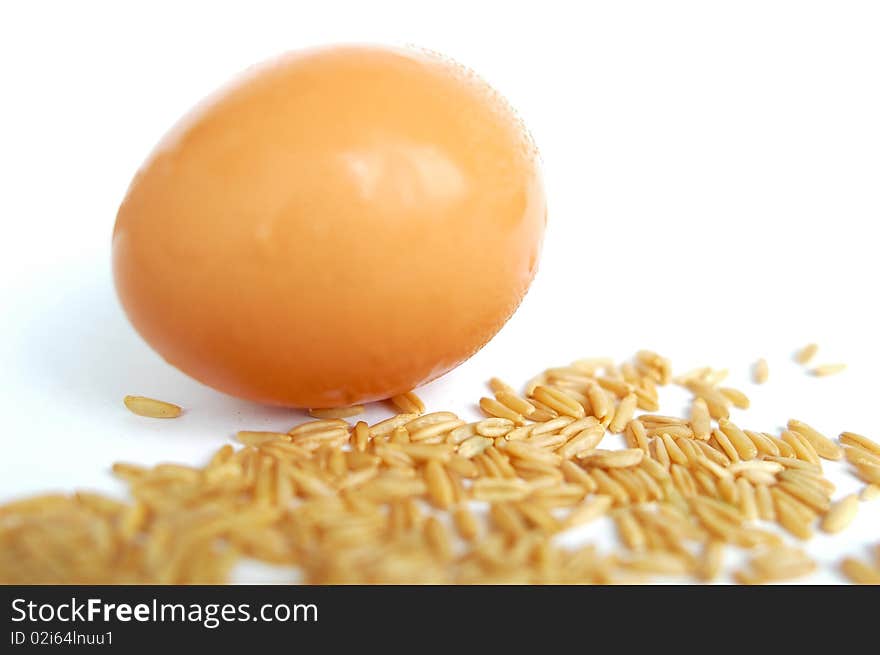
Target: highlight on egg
337,226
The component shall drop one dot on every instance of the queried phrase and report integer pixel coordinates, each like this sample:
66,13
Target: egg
338,225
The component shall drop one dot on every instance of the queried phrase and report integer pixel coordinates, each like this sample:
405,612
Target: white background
712,168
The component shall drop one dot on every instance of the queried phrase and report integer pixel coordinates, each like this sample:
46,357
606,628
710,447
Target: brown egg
338,226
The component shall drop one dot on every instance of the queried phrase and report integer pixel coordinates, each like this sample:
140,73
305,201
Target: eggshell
337,226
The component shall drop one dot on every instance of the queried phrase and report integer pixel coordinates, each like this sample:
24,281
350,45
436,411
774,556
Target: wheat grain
423,452
507,519
716,469
599,402
592,509
793,463
868,473
670,430
764,503
317,438
515,403
809,495
435,430
660,563
637,434
673,451
736,397
462,466
716,376
519,433
619,388
361,436
465,523
805,354
629,530
763,444
716,402
612,458
499,489
823,446
705,483
494,427
808,478
584,440
425,420
748,503
337,412
646,400
591,365
659,420
553,425
497,385
554,493
724,444
151,408
501,461
856,455
623,413
700,419
824,370
744,446
408,403
789,518
696,374
577,426
782,563
689,449
853,439
800,446
658,452
473,446
712,560
860,572
440,490
401,435
714,524
784,449
683,480
870,492
528,451
550,440
841,514
711,453
538,516
559,401
577,475
608,486
493,408
386,427
728,490
633,485
760,371
542,413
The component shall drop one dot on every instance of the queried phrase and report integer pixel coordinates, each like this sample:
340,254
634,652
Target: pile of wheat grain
400,501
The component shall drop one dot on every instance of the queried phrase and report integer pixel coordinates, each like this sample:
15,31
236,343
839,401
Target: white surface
712,172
